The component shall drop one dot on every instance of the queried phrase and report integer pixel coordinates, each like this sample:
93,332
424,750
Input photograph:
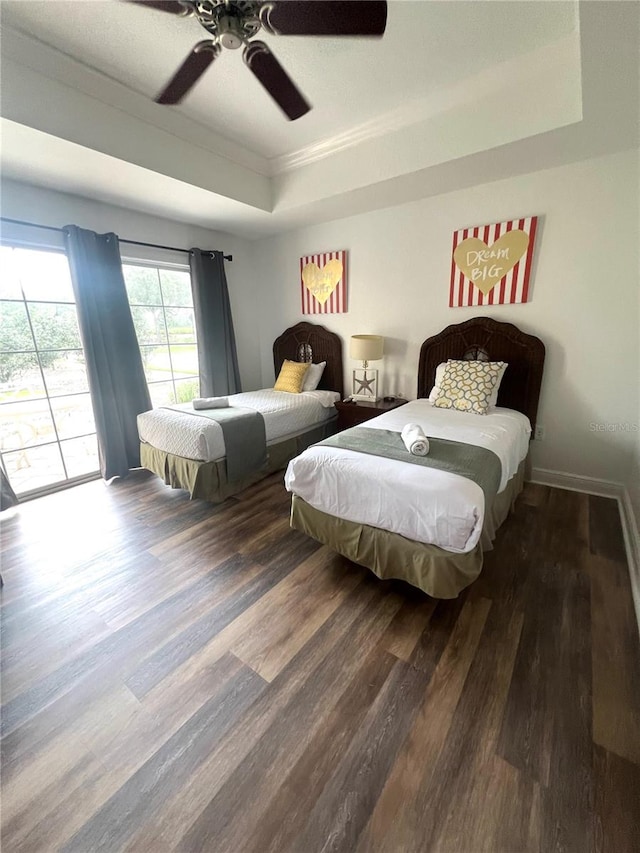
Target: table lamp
366,348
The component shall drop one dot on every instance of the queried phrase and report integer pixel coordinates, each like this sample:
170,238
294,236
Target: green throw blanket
244,439
475,463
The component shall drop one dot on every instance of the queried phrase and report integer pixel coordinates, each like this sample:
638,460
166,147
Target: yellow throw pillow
467,385
291,376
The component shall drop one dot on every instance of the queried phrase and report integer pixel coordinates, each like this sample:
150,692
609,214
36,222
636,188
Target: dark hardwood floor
177,676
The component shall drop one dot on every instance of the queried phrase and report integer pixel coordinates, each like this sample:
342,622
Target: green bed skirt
208,480
439,573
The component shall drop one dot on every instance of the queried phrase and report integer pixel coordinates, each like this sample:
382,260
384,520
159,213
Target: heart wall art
491,264
323,283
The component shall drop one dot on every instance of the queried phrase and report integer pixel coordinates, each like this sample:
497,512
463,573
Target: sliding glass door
47,431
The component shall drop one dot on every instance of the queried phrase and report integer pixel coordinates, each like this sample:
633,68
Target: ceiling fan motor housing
228,33
232,23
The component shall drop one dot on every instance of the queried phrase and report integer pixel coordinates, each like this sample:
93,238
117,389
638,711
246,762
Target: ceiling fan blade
189,72
173,7
275,80
325,17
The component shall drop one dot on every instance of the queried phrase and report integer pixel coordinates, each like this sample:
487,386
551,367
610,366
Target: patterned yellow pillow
291,376
467,385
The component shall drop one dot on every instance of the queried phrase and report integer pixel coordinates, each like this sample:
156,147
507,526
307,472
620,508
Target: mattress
422,504
182,431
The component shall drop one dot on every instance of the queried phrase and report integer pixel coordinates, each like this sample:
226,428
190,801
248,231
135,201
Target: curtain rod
131,242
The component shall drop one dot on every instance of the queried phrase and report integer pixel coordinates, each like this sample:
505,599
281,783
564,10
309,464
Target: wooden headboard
309,342
490,340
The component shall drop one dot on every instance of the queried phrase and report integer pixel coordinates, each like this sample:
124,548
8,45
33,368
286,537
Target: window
162,309
47,430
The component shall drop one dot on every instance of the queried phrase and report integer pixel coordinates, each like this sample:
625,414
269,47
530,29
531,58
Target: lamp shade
366,347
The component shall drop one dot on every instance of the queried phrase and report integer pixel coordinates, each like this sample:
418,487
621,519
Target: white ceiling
427,46
454,94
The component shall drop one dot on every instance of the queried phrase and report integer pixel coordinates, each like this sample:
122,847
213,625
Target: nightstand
357,411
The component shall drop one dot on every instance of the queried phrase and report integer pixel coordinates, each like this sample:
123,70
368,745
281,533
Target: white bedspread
184,432
422,504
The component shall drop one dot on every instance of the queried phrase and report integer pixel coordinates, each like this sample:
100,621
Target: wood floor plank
294,610
46,725
34,777
605,529
79,793
195,583
279,824
264,537
357,624
182,676
75,587
395,823
568,805
527,729
220,580
123,750
54,643
561,543
125,647
617,803
166,547
428,649
344,805
614,637
515,560
408,625
228,822
500,814
145,792
534,494
164,659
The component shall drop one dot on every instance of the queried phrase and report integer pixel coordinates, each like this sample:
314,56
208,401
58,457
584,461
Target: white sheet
182,431
422,504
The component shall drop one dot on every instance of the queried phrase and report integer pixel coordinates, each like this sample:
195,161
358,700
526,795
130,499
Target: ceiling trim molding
30,52
521,70
41,57
34,158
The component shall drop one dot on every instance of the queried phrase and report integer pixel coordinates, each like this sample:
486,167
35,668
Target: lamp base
365,385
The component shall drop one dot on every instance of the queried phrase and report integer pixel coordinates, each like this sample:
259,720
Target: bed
424,526
187,450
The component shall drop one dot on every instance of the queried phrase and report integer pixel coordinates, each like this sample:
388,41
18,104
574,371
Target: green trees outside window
162,309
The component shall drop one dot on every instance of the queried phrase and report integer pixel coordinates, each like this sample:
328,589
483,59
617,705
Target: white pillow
313,376
435,391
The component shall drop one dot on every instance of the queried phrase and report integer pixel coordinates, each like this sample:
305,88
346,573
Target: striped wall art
491,264
323,283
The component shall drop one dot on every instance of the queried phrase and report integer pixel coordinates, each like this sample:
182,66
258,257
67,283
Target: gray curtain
8,497
217,356
114,365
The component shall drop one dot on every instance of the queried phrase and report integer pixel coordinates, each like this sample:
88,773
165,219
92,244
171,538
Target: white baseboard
632,544
577,483
607,489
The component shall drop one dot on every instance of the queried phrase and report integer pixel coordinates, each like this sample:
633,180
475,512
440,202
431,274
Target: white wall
47,207
633,482
583,298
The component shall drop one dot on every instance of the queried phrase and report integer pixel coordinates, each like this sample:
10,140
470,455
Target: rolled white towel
415,440
211,403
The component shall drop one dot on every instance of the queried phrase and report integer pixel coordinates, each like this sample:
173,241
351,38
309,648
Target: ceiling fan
232,23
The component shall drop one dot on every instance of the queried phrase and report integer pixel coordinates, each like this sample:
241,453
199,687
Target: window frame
68,481
157,266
